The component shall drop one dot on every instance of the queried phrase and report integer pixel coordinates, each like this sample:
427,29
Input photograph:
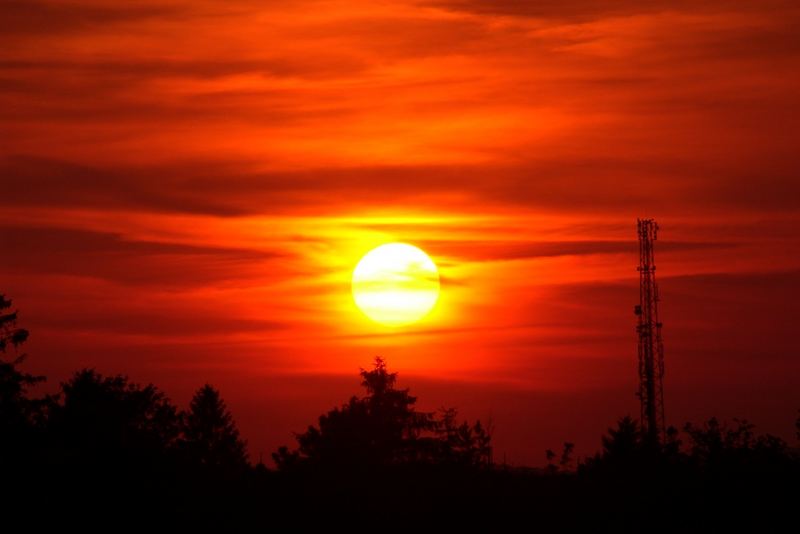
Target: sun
396,284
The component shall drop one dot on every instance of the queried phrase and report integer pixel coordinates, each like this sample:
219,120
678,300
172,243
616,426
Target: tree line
112,447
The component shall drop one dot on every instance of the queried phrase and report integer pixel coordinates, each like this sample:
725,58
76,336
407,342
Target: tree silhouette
625,452
384,428
551,456
10,334
462,443
624,441
378,429
566,461
18,413
718,447
210,435
119,449
112,419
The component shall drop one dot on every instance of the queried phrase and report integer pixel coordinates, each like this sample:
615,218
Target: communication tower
651,347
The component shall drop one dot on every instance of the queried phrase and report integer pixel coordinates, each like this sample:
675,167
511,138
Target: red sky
187,186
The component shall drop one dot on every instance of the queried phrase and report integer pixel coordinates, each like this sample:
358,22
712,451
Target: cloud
720,314
682,109
31,181
134,70
549,9
488,130
109,256
516,250
586,10
47,17
159,321
230,188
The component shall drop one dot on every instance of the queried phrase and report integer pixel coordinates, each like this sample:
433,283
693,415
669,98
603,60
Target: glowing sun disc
395,284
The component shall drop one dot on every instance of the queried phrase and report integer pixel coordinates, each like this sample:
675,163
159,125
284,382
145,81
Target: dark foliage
20,416
110,416
114,446
210,436
383,428
107,453
10,335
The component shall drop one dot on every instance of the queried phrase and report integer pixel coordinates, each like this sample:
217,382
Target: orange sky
187,186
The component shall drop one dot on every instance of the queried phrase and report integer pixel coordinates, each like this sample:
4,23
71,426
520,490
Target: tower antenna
651,346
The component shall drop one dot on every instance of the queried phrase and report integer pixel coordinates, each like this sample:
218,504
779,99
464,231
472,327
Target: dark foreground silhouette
107,454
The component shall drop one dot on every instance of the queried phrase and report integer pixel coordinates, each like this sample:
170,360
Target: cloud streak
108,256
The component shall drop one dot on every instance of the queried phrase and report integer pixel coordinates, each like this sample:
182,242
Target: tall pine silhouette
18,413
210,434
